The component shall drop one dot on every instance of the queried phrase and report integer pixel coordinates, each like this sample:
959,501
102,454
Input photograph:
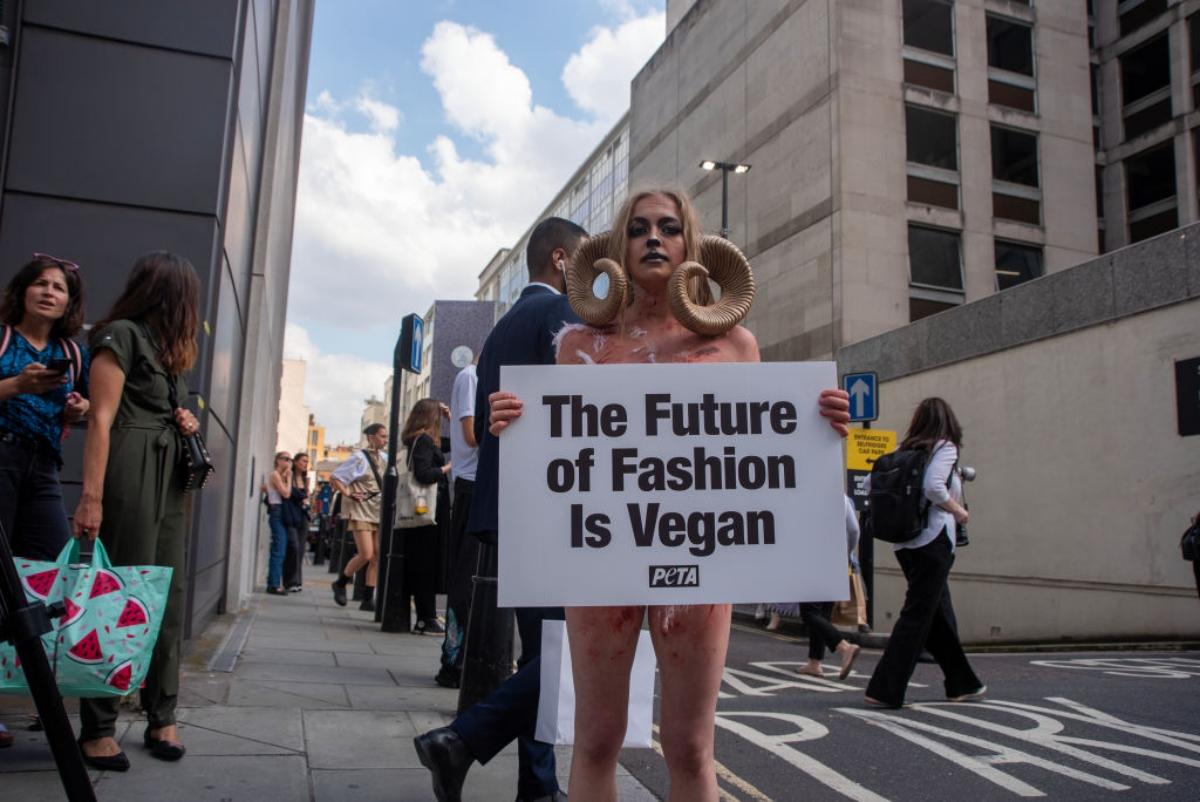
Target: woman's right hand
86,521
35,379
506,408
961,515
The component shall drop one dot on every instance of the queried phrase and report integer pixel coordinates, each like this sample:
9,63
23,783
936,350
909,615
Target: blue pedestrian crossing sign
864,395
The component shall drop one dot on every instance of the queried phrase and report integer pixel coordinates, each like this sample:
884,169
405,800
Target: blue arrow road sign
864,398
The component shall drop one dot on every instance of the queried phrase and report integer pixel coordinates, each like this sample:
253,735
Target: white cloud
381,116
335,385
379,235
597,76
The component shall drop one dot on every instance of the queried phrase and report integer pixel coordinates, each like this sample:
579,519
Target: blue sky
435,133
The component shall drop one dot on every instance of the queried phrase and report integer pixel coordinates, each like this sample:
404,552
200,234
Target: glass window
928,24
1145,70
1138,14
924,307
931,137
1016,263
934,258
1014,156
1150,176
1009,45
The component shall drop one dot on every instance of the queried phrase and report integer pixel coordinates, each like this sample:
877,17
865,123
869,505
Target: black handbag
195,464
1189,544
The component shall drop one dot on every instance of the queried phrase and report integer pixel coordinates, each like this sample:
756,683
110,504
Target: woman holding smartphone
279,490
43,381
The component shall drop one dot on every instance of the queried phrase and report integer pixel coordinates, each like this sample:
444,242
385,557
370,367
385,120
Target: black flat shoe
339,593
163,750
277,591
117,762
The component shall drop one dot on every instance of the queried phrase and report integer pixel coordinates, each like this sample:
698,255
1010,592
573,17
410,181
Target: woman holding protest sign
657,310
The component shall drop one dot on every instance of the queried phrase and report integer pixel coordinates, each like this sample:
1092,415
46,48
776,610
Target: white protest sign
670,484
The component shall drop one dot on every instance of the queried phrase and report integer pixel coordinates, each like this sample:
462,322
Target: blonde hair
619,239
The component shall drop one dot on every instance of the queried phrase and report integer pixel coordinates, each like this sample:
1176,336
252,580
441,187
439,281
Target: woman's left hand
186,421
835,406
76,408
444,409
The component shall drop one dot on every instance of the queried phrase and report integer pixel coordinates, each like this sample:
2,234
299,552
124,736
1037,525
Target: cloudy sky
434,134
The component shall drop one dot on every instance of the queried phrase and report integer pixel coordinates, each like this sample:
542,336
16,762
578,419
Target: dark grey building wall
140,126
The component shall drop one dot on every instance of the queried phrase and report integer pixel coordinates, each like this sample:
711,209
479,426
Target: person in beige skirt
358,480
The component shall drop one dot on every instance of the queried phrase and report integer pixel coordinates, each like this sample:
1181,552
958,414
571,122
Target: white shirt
941,483
543,284
352,469
463,458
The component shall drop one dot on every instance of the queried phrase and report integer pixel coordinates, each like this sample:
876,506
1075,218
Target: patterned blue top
37,416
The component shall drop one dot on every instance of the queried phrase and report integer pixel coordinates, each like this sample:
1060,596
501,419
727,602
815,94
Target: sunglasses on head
65,264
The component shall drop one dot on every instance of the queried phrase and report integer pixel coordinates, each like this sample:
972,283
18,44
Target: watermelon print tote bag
102,644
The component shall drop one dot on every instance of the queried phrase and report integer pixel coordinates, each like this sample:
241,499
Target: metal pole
725,201
866,560
391,608
23,623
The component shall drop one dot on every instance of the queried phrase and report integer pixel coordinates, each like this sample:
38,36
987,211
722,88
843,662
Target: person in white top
463,554
925,620
358,480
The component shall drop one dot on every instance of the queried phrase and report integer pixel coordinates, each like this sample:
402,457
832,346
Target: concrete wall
1065,389
292,429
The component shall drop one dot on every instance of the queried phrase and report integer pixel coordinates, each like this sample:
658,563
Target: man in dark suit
524,336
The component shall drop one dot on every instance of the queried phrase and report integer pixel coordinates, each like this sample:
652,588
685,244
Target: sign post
864,397
391,609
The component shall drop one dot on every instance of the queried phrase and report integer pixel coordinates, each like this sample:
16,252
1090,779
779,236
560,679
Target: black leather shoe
117,762
447,758
163,750
339,593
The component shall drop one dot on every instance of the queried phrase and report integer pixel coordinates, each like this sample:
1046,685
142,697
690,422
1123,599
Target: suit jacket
524,336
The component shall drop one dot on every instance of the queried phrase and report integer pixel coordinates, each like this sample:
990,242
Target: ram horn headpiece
721,261
590,260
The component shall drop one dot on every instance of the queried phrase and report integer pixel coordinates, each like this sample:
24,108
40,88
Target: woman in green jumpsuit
132,493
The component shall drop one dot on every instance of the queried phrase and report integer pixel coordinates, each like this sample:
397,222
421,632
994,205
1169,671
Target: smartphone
58,365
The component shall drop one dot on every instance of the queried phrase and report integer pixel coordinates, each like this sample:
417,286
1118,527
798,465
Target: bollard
322,540
393,610
488,661
360,584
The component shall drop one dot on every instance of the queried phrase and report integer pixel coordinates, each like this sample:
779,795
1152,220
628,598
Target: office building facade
141,126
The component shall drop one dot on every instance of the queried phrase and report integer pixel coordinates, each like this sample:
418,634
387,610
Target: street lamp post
726,168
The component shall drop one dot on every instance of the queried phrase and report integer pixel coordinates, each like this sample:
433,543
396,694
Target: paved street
1066,726
320,706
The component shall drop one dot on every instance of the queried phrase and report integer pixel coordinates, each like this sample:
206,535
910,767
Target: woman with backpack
926,620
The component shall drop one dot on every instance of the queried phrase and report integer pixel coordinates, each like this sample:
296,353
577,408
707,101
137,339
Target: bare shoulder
745,344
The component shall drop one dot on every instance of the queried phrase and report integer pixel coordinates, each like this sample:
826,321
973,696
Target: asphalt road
1121,725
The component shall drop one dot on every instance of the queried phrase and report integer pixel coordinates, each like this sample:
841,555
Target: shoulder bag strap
374,470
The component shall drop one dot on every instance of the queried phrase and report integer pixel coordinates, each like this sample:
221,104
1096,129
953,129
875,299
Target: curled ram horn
590,260
721,261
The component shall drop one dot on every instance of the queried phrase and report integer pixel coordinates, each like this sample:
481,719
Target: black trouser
31,502
420,568
924,623
464,555
293,558
1196,571
536,769
821,632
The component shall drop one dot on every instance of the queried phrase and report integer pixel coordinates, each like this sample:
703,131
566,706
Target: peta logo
674,576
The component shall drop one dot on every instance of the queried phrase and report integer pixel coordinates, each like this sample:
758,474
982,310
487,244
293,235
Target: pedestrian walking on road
816,615
133,499
926,620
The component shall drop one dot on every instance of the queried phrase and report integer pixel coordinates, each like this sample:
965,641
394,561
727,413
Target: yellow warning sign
864,446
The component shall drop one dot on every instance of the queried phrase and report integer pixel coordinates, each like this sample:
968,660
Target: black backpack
898,505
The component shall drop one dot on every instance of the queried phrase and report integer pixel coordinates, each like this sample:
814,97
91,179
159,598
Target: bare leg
364,541
603,640
691,643
373,563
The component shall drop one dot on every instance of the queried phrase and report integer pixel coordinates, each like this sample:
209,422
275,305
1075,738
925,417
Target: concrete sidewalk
320,705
